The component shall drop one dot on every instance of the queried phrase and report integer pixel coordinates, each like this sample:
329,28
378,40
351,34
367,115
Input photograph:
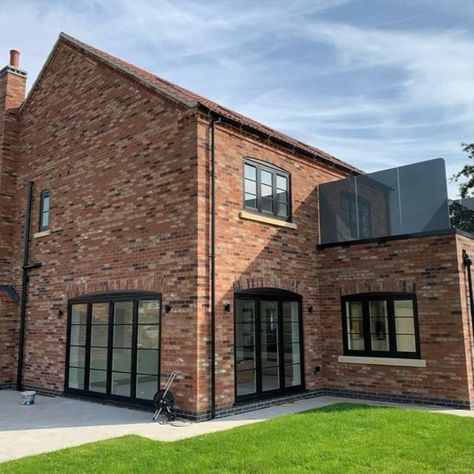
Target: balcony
407,200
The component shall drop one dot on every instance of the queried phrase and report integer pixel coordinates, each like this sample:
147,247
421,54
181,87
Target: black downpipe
212,258
467,263
24,284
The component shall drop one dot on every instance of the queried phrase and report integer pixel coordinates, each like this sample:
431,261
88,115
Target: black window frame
390,298
46,193
353,220
112,297
275,172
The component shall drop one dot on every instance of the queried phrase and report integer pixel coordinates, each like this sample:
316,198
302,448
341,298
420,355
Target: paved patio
57,422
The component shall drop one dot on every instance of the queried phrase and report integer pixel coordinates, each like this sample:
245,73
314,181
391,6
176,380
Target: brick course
428,266
466,243
123,208
12,92
253,254
128,170
8,338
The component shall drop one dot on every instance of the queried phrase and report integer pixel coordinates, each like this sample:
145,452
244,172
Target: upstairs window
381,325
266,189
349,211
44,211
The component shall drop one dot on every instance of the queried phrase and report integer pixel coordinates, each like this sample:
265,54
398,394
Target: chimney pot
14,58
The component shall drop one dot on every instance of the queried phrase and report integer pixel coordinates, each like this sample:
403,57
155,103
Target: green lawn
342,438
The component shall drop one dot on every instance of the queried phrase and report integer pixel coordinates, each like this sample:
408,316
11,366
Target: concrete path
57,422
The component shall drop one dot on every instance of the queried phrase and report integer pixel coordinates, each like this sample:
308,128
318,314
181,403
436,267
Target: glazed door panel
114,348
268,346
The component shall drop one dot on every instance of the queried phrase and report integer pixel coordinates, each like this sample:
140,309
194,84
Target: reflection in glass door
245,347
148,348
268,344
292,343
114,346
98,348
77,346
122,348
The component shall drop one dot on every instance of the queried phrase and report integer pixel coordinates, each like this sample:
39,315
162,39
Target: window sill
266,220
44,233
382,361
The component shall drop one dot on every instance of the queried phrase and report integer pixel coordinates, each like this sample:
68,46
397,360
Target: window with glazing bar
44,210
350,213
266,189
382,325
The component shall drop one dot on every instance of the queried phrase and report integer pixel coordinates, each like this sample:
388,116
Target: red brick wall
12,93
128,172
465,243
12,89
8,139
120,162
428,266
259,254
8,337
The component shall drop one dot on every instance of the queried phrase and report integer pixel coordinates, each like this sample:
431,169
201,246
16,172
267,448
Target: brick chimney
12,83
12,94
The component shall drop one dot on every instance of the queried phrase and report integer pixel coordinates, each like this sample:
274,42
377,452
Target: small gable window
381,325
266,189
44,210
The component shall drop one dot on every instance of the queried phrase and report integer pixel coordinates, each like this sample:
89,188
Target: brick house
146,229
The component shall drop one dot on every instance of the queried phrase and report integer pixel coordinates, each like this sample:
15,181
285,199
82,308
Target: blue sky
377,83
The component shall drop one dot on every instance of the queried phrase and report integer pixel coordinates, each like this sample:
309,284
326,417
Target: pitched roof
8,293
192,99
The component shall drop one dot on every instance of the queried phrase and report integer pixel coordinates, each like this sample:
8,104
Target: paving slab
59,422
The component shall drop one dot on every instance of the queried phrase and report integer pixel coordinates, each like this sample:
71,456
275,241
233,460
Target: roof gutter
278,141
186,102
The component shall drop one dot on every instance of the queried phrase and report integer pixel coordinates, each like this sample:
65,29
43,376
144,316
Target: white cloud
276,61
438,65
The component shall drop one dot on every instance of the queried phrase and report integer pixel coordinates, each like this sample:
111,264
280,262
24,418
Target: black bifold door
113,346
268,344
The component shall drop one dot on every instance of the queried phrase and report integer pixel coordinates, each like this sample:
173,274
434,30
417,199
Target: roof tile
187,96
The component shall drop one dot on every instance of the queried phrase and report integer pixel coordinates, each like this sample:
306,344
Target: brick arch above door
146,283
250,282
